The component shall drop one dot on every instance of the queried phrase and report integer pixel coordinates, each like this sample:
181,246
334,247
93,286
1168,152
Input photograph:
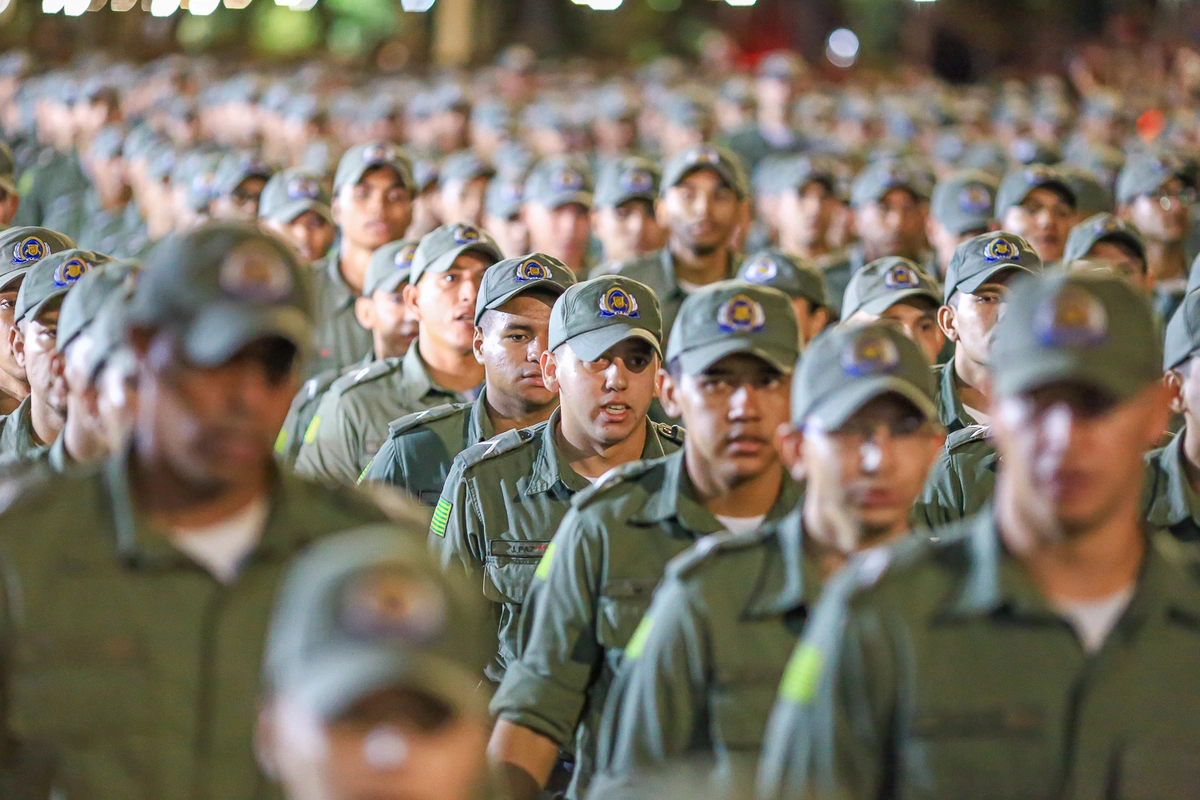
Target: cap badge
204,182
901,277
1109,224
404,256
29,250
377,153
638,180
617,302
303,188
741,314
1001,249
466,234
392,601
704,155
567,180
975,199
69,271
1074,317
532,270
511,193
870,353
762,270
1038,173
255,272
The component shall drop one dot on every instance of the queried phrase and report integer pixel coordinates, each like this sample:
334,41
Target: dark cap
292,192
7,168
358,160
1091,328
882,176
1183,332
1145,174
878,286
559,181
850,365
224,285
24,246
505,280
788,273
50,278
1017,185
962,202
236,168
503,198
91,291
464,165
730,317
440,247
721,161
629,178
1102,228
389,267
980,257
594,315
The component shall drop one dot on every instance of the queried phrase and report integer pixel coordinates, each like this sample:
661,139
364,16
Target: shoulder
450,412
498,447
972,437
716,550
918,572
356,379
621,479
315,386
640,266
352,505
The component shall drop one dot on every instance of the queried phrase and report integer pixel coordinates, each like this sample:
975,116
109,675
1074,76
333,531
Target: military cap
492,115
50,278
1017,185
160,161
980,257
425,175
886,174
367,610
202,180
1091,328
389,267
594,315
948,148
721,161
107,331
1183,332
1100,228
1091,197
884,282
358,160
292,192
440,247
464,165
798,171
1028,151
788,273
1145,174
506,279
730,317
613,102
629,178
985,157
236,168
517,58
503,198
962,202
687,110
849,366
24,246
559,181
90,292
7,168
224,285
780,65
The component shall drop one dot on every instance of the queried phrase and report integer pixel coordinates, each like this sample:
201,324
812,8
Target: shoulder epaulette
971,433
371,372
674,433
497,445
614,477
410,421
708,547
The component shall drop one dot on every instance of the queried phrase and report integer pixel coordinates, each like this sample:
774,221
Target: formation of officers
522,435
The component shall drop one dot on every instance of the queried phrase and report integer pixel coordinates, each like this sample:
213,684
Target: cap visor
8,184
33,311
218,332
1048,368
9,277
971,284
446,260
591,345
698,359
393,282
883,303
567,198
288,212
834,410
544,285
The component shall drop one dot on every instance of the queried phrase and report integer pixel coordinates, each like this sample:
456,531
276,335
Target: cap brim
561,199
7,278
8,184
544,285
591,345
287,213
1049,368
390,284
962,224
835,409
882,303
446,260
971,284
218,332
698,359
33,311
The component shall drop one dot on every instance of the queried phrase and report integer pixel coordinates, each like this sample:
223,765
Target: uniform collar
479,424
1177,503
667,263
58,458
343,296
17,436
676,500
789,582
952,412
551,472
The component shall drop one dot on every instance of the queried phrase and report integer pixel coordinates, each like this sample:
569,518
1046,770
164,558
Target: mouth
615,412
745,445
533,379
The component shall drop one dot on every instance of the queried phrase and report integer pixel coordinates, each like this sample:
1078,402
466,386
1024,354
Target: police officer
463,179
727,368
623,215
796,278
502,216
960,209
1104,240
701,677
896,289
977,281
512,319
237,191
1152,195
107,221
1037,204
295,206
779,76
370,673
555,207
890,198
809,206
10,199
183,537
504,498
1090,607
702,201
351,420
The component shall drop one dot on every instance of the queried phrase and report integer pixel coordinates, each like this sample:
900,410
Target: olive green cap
51,277
507,279
594,315
1183,332
223,285
91,291
465,165
1102,228
440,247
7,169
389,267
503,198
1017,185
290,193
559,181
108,330
730,317
1091,328
788,273
1145,174
721,161
884,282
980,257
882,176
962,202
368,610
358,160
624,179
235,168
849,366
24,246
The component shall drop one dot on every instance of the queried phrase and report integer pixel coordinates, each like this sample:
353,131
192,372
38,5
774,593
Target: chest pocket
1151,771
510,569
622,605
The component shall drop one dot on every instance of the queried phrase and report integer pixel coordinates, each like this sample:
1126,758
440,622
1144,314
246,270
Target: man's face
82,396
775,94
811,320
1044,218
116,401
894,225
1162,216
628,230
215,426
945,242
607,398
462,201
969,319
701,212
444,304
1050,439
310,234
9,201
731,411
916,318
33,346
242,204
391,321
1123,262
374,211
559,232
8,306
510,233
807,213
509,342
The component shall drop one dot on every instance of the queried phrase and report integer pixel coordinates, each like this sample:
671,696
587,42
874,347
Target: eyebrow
513,327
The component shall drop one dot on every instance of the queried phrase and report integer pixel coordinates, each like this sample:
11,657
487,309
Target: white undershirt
1093,620
221,548
977,415
741,524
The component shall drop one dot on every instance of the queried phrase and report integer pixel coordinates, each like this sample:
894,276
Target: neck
969,377
749,497
1075,565
173,501
453,369
1191,456
47,423
1166,260
509,413
590,458
808,250
13,387
701,270
352,264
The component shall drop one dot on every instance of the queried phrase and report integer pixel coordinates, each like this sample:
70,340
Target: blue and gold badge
466,234
617,302
29,250
379,153
870,353
741,314
1001,249
567,180
255,272
393,601
901,277
762,270
69,271
404,256
1108,224
637,181
532,270
975,199
1074,317
704,155
303,188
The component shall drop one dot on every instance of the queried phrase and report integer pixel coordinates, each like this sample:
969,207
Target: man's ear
660,212
946,321
669,394
789,442
335,211
1173,380
364,312
549,371
16,343
58,364
477,344
411,294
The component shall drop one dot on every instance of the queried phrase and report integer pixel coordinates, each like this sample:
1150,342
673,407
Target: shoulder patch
441,516
613,478
674,433
371,372
415,420
971,433
709,546
497,445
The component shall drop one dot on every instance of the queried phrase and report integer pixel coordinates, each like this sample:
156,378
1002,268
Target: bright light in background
416,5
604,5
75,8
52,6
842,48
4,5
302,5
163,8
741,3
202,8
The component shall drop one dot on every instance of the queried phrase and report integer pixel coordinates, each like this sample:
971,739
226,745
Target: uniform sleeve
383,468
942,498
332,453
546,688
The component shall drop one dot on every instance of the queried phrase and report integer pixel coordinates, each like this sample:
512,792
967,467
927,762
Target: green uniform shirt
53,176
17,442
421,447
838,269
340,340
304,407
502,503
132,662
961,481
1170,502
657,270
701,679
951,412
952,677
352,418
120,233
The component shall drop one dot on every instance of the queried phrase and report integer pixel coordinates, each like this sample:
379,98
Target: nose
1058,428
616,377
745,403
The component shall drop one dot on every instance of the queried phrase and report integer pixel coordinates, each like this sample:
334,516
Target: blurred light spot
604,5
202,8
741,3
416,5
75,8
52,6
163,8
